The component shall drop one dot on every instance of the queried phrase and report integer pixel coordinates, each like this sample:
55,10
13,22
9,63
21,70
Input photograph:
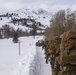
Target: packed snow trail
38,66
45,69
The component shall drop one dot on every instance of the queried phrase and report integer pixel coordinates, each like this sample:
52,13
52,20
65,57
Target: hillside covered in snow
24,18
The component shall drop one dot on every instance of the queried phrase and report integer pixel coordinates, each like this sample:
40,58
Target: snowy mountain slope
39,16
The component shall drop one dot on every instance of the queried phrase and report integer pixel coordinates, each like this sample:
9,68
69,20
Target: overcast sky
50,5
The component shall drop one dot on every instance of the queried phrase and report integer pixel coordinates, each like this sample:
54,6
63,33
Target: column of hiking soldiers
61,51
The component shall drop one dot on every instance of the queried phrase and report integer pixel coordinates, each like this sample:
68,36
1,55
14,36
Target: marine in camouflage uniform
68,53
47,51
43,46
57,53
54,52
46,47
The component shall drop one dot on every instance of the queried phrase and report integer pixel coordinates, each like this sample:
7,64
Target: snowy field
30,62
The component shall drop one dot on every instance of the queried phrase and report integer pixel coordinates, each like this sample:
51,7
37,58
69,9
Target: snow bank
34,68
25,65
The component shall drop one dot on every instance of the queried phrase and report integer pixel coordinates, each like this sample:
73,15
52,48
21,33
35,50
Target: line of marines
61,52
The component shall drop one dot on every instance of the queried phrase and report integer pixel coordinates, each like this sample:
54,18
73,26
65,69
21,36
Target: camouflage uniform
55,54
52,53
68,53
69,69
46,45
56,64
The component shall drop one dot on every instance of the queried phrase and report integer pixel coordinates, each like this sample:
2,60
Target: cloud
12,6
73,7
50,5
